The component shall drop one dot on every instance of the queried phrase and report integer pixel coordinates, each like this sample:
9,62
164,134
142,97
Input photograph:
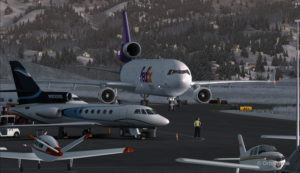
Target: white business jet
258,158
47,149
55,109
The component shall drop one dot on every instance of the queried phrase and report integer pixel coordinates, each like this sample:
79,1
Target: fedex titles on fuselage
146,76
165,77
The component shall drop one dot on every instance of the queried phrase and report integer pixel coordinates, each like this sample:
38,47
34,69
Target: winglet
128,150
89,135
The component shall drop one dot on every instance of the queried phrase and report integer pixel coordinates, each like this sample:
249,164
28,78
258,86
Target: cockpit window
178,72
137,111
143,111
266,148
76,99
150,112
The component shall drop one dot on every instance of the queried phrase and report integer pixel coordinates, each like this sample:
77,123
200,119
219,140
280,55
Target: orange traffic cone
109,131
177,138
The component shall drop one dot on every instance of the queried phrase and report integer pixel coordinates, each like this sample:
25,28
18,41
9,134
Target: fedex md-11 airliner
169,78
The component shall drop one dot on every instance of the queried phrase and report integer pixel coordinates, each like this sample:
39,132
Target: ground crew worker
197,125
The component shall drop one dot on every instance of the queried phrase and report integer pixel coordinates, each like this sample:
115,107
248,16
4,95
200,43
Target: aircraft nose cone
163,121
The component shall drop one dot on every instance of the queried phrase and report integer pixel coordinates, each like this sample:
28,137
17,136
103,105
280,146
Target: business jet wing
278,137
93,153
218,164
16,155
82,123
118,85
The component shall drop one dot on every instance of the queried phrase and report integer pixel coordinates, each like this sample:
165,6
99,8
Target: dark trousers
197,132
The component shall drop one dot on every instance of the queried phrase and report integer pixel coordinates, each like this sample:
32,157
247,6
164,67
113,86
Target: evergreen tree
244,53
21,52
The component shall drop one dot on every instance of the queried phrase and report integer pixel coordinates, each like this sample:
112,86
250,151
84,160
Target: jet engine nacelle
107,95
202,95
50,113
129,51
132,50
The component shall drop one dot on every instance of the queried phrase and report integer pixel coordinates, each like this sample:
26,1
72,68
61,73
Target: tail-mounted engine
50,113
107,95
202,95
129,51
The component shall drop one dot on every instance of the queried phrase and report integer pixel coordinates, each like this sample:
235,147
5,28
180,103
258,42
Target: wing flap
15,155
93,153
218,164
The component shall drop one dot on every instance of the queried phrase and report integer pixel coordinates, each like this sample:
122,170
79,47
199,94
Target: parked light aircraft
54,109
47,149
160,77
258,158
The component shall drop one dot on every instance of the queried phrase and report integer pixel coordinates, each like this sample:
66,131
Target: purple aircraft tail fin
127,37
129,50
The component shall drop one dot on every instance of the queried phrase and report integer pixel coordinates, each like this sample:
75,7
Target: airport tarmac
158,155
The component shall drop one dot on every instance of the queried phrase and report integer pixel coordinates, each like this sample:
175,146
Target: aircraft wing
218,164
93,153
215,82
15,155
83,123
279,137
118,85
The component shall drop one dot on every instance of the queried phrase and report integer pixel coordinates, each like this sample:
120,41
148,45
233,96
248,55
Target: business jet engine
202,95
129,51
107,95
50,113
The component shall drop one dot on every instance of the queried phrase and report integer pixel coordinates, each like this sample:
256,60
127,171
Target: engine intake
202,95
107,95
132,50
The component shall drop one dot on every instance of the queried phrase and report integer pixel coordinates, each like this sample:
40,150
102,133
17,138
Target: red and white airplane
47,149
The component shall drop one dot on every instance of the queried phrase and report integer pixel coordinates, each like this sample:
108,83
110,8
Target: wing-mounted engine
202,95
107,95
50,113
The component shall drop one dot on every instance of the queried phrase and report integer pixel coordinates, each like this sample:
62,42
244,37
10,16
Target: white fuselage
266,161
161,77
105,114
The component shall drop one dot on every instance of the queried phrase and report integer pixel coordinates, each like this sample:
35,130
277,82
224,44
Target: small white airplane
258,158
160,77
47,149
56,109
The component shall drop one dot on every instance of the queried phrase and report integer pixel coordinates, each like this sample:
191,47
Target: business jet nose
162,121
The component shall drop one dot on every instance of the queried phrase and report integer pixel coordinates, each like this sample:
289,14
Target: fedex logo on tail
146,75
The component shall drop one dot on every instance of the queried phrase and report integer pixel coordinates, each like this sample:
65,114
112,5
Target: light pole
297,118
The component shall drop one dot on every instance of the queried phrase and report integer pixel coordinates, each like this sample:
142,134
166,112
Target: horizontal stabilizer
279,137
76,142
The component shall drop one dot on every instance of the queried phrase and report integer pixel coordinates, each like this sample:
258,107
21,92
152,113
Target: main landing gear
145,102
